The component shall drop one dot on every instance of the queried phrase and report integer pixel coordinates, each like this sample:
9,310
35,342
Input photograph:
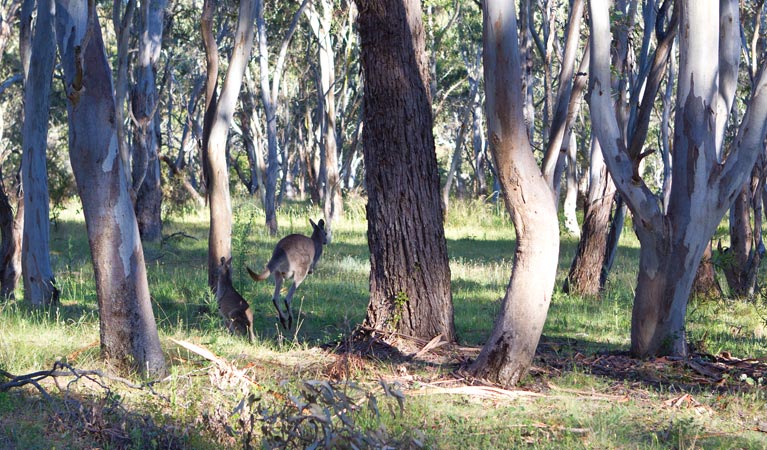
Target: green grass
197,406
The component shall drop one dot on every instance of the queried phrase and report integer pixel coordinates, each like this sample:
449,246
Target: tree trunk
332,203
123,25
270,95
705,283
39,283
12,224
586,268
571,193
409,273
128,330
219,116
508,353
672,243
10,246
144,101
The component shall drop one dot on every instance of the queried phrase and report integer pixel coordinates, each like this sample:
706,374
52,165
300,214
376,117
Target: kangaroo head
319,233
225,268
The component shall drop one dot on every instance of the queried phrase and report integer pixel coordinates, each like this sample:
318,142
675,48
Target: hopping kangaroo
294,257
232,307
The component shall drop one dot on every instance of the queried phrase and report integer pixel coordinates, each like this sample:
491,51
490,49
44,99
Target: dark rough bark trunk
409,274
586,268
39,282
741,237
128,330
10,246
705,283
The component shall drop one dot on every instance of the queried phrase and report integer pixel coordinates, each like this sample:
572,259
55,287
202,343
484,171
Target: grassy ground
584,392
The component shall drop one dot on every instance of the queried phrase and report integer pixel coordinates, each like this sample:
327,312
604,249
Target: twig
35,377
220,362
477,391
178,234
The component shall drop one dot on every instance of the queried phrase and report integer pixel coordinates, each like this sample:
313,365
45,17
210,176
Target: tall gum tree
270,90
320,23
144,103
127,325
409,272
39,282
704,183
219,111
506,356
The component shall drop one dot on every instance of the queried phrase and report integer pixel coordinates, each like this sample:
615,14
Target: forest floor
319,387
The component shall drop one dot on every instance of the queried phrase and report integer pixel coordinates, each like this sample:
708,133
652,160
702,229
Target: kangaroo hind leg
276,297
289,298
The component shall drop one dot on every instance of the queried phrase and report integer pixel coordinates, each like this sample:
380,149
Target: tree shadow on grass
700,372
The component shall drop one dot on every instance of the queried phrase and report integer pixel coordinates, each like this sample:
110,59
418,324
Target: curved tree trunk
39,283
409,273
128,329
508,353
219,114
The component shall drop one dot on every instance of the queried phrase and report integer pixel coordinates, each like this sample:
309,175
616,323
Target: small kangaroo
294,257
232,307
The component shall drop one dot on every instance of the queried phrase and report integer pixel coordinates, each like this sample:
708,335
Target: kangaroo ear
314,225
230,261
223,260
321,224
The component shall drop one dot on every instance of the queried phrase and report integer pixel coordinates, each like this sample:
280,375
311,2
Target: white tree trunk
269,94
220,233
673,243
128,329
508,353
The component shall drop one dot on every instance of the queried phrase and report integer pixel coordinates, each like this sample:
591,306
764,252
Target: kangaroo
232,307
294,257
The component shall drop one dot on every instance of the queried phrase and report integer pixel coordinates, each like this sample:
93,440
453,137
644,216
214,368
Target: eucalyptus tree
529,197
219,111
409,272
270,91
122,21
320,14
637,78
11,222
140,152
127,326
705,179
39,282
144,107
746,250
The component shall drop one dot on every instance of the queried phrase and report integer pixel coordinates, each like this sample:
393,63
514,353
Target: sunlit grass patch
201,404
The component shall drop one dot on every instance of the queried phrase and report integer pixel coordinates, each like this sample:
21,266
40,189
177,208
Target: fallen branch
60,369
477,391
218,361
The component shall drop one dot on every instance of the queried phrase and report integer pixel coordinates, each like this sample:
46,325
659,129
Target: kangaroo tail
259,277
